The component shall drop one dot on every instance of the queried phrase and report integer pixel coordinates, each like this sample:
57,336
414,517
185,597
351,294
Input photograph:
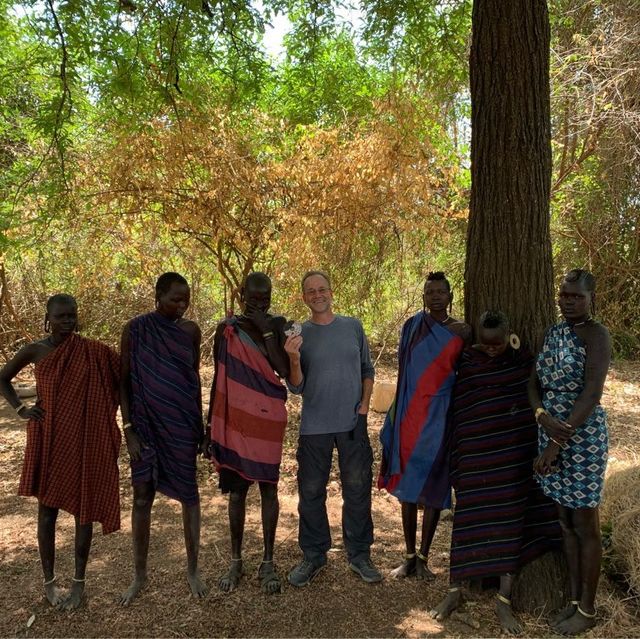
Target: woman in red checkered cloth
71,458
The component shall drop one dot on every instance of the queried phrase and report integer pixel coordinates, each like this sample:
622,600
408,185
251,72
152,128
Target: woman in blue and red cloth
414,452
71,458
162,413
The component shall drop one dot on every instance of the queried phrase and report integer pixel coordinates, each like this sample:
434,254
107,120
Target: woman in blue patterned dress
565,394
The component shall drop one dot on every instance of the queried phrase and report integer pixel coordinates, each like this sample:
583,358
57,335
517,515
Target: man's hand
555,428
292,347
258,318
205,446
35,412
135,445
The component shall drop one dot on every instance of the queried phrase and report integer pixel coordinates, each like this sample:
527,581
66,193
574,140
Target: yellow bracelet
540,411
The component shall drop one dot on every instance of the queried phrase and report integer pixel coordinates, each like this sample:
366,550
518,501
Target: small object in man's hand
292,328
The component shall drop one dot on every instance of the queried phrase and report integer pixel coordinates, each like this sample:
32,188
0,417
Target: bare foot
422,571
575,624
406,569
132,592
447,605
198,587
507,620
269,580
232,578
561,615
74,598
55,596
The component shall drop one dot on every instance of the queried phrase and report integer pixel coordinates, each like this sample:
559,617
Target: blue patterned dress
579,481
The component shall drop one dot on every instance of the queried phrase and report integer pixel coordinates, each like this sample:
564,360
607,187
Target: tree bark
508,262
542,585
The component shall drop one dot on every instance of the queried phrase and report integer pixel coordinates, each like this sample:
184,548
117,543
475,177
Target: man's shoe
303,573
367,571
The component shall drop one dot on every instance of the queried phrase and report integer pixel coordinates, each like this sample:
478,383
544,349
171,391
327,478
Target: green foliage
80,75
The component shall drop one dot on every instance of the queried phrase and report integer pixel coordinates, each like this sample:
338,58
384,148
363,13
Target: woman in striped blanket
502,520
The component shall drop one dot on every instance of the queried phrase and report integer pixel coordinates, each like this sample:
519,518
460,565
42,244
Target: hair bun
494,319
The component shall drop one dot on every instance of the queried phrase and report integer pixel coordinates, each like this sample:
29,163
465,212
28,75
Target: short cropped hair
256,276
309,274
166,280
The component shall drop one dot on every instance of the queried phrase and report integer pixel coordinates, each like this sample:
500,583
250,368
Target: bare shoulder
190,327
461,329
596,333
30,354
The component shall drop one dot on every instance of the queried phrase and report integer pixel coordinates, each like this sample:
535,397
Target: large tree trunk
508,264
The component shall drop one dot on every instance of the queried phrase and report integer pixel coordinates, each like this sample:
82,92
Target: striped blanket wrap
165,410
414,448
249,414
501,519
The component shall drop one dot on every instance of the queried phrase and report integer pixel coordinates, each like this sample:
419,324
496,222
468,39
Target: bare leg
409,528
452,601
143,496
47,546
191,526
237,512
84,535
586,523
430,520
270,510
571,548
503,607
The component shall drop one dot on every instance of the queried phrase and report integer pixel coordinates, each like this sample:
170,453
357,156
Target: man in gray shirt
331,367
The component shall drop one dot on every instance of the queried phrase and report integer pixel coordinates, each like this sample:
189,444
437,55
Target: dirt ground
336,604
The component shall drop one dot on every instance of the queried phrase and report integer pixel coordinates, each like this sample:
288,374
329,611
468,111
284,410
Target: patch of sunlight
418,623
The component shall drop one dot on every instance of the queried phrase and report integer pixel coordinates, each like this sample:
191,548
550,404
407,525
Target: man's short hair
309,274
166,280
257,277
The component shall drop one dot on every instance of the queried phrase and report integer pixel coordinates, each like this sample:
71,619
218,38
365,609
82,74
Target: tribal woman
71,458
565,393
163,426
414,453
501,519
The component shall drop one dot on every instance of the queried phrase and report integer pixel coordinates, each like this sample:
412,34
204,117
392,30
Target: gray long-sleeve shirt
334,359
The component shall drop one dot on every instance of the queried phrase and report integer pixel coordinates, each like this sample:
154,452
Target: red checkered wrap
71,459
